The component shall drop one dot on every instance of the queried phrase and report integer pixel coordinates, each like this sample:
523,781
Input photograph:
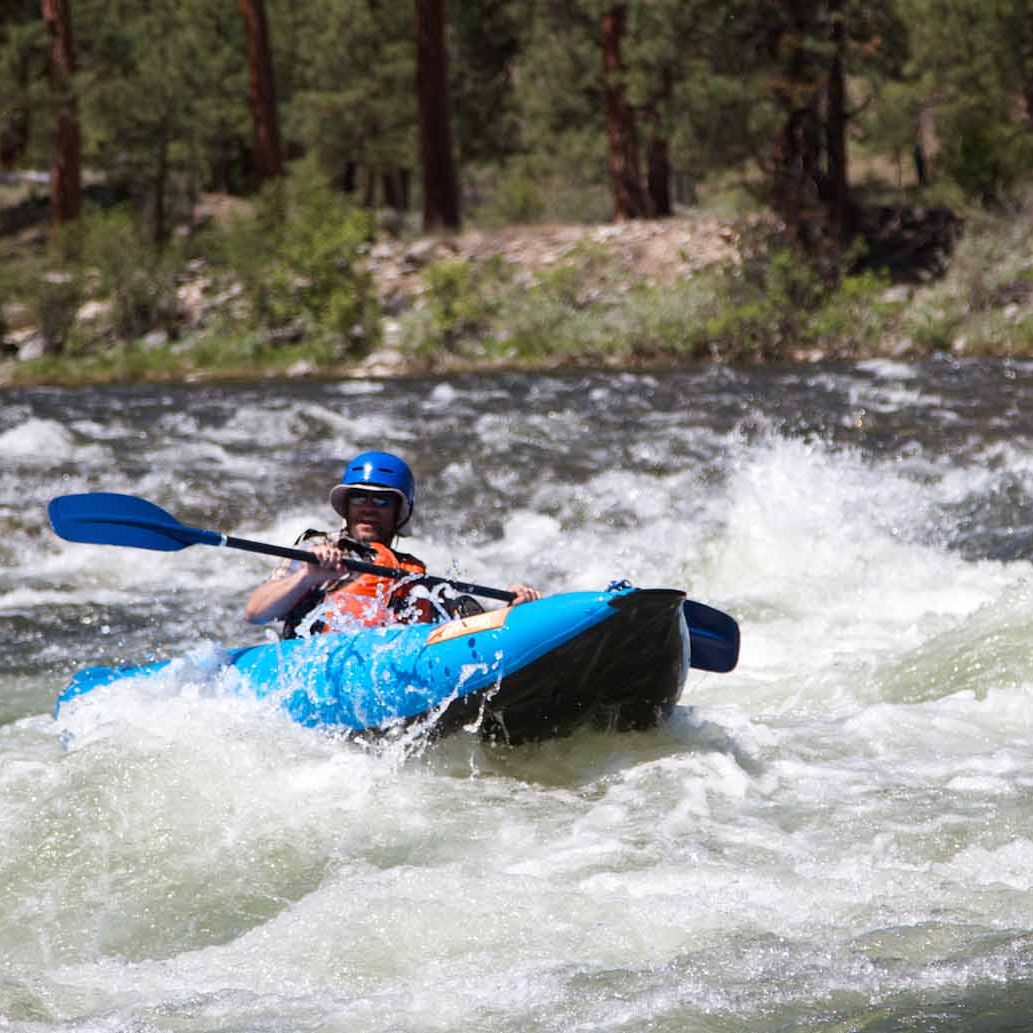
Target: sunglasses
360,498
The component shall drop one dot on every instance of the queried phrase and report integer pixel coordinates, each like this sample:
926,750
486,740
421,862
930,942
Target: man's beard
366,533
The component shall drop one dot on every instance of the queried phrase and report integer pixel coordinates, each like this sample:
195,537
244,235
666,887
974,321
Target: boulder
32,347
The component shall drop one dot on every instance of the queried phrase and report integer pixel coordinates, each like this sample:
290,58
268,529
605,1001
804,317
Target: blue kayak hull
616,659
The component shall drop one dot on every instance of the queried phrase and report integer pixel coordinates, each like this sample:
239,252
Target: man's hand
524,594
330,564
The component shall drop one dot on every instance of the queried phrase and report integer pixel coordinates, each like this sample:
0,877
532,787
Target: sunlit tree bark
630,201
262,91
65,183
440,183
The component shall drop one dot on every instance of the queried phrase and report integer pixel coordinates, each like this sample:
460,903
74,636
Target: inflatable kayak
615,659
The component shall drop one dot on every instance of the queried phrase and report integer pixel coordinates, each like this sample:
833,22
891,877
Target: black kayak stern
624,674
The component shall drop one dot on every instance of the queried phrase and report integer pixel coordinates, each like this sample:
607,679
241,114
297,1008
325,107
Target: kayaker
376,498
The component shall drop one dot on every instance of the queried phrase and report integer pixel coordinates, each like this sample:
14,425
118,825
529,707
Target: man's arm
273,600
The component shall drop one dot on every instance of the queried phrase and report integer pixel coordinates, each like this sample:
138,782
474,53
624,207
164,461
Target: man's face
371,515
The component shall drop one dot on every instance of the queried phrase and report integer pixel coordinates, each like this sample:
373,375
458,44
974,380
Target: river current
836,836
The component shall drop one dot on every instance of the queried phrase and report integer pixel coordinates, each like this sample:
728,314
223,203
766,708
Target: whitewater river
837,836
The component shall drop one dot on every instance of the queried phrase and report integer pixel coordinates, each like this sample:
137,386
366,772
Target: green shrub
569,186
991,261
454,300
461,300
853,315
138,277
985,155
57,301
671,319
512,194
764,304
298,260
932,327
533,324
10,292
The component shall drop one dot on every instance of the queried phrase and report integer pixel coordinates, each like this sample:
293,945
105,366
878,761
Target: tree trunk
927,144
797,172
404,188
794,194
161,186
837,184
658,175
65,185
921,169
369,188
262,91
396,189
348,178
629,199
440,184
14,138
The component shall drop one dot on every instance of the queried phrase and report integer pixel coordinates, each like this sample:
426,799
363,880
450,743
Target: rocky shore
654,282
633,254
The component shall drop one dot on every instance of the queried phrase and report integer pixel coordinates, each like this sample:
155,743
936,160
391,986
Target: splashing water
834,836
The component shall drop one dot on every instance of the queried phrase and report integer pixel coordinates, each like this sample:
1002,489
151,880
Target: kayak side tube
615,659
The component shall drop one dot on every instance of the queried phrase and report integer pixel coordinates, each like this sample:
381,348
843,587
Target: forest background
313,185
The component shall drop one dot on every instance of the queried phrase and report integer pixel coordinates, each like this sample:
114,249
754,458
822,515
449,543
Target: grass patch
242,355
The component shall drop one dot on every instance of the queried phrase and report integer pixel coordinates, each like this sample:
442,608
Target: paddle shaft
362,567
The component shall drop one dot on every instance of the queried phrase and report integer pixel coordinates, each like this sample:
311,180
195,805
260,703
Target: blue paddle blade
106,518
714,637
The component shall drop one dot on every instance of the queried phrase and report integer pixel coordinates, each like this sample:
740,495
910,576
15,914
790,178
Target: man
376,498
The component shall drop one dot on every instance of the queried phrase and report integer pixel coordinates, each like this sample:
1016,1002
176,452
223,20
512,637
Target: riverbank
661,293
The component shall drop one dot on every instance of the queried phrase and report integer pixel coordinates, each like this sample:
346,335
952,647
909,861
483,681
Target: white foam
844,818
39,442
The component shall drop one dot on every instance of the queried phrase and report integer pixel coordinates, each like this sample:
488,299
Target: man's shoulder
312,536
408,557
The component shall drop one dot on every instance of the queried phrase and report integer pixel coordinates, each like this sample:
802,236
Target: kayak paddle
108,518
714,636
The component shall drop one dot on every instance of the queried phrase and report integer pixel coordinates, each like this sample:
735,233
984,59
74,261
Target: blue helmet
378,471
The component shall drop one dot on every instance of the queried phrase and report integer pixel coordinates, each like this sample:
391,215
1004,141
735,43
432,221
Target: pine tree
345,72
803,52
164,97
486,39
23,71
669,45
969,65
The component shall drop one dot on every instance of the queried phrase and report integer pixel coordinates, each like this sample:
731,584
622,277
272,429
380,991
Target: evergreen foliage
164,99
297,260
163,85
23,92
347,74
777,98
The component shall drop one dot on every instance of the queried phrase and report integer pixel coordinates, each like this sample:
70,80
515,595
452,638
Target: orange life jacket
371,600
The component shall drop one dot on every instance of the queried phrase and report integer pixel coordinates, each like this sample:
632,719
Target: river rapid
836,836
